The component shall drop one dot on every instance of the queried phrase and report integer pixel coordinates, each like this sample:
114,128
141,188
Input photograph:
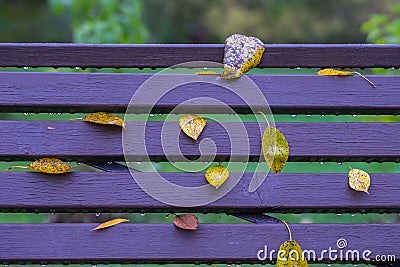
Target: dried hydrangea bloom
241,54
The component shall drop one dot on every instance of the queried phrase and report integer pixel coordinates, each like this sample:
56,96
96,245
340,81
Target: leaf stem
288,228
19,167
348,165
265,117
373,85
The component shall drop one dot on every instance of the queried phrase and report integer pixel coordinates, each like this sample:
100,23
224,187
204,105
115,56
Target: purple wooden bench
116,191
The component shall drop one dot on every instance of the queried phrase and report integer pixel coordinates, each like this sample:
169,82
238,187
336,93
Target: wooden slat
66,92
75,140
161,243
166,55
285,192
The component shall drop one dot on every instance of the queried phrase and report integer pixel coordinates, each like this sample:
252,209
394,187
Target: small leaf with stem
290,253
333,72
359,180
274,147
46,165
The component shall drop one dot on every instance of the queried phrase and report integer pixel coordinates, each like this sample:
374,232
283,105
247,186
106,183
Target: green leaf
275,149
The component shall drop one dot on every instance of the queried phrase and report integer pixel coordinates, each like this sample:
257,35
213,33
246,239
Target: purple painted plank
162,243
75,140
166,55
66,92
285,192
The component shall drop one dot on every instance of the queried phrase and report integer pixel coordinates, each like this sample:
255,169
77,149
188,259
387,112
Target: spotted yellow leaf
275,149
47,165
290,253
359,180
110,223
208,72
241,54
217,175
333,72
105,118
192,125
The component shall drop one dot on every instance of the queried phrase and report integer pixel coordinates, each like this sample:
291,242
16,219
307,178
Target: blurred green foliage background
193,21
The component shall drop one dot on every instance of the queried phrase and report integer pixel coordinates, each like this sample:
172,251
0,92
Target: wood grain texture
84,92
162,243
119,192
166,55
75,140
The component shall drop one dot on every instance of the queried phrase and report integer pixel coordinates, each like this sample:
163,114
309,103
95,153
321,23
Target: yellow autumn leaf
359,180
290,253
275,148
47,165
192,125
333,72
208,72
110,223
104,118
217,175
241,54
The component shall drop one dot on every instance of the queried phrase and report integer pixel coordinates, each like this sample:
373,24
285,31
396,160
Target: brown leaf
110,223
192,125
105,118
186,221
